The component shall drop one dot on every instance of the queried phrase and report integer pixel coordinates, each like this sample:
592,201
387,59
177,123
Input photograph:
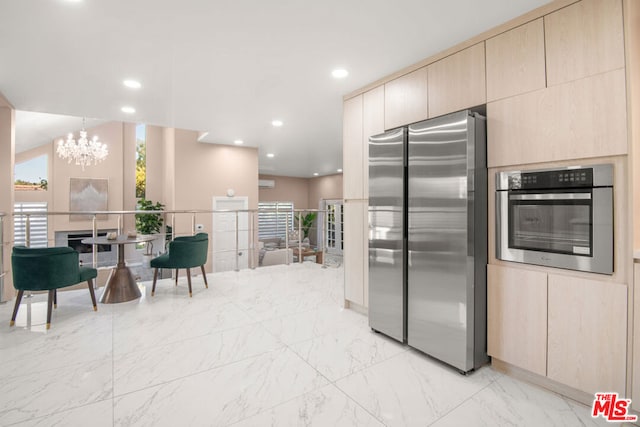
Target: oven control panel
566,178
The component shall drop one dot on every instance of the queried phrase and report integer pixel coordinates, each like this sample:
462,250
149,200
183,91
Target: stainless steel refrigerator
438,272
387,233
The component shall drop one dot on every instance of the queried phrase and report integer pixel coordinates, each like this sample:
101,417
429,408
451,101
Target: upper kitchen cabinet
581,119
587,334
405,99
584,39
352,156
515,61
457,81
373,124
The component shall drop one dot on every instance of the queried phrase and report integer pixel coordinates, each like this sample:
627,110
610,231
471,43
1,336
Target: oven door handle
551,196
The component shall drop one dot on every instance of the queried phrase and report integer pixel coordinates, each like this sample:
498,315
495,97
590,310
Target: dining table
121,285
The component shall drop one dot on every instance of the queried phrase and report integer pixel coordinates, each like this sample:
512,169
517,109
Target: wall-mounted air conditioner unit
266,183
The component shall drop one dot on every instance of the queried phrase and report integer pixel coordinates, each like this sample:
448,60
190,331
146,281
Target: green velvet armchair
184,252
48,269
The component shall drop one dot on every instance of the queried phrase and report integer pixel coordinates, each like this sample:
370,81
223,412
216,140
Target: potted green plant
306,222
148,224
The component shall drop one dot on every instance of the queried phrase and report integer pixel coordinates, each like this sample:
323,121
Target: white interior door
224,234
334,224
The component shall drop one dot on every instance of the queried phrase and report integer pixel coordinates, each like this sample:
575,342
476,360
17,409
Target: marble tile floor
265,347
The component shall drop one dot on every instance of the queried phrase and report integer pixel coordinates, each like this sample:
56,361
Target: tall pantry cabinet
363,117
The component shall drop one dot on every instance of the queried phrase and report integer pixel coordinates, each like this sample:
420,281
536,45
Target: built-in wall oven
556,217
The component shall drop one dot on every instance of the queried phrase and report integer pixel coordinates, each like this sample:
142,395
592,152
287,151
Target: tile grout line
281,345
461,403
333,383
359,404
372,365
39,417
193,374
288,347
294,397
181,340
358,371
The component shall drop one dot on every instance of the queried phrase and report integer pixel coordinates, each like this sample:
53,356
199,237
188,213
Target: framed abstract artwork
86,195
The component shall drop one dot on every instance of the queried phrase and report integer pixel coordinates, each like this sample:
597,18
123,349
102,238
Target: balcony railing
234,239
2,269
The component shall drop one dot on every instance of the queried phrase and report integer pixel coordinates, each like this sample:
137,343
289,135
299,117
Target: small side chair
184,252
48,269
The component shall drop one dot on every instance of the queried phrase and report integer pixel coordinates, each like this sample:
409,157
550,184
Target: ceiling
226,67
35,129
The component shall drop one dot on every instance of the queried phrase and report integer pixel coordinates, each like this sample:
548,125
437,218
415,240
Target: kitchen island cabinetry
587,334
517,317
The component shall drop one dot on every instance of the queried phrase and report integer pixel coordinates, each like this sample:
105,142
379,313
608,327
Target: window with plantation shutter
37,224
273,218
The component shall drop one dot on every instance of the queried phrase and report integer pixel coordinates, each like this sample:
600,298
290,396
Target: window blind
273,218
38,224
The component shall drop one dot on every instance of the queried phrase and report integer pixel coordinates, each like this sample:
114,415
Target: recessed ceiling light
339,170
340,73
128,110
277,123
316,174
132,84
270,155
238,142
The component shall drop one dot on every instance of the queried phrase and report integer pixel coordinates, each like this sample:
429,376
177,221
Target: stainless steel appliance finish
447,239
428,237
556,217
387,291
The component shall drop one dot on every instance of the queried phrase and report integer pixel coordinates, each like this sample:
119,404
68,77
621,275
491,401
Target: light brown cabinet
635,382
515,61
354,256
580,119
584,39
373,124
571,329
353,192
587,334
517,317
363,117
457,81
406,99
352,155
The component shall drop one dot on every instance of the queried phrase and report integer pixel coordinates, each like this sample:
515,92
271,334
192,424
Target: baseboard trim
544,382
356,307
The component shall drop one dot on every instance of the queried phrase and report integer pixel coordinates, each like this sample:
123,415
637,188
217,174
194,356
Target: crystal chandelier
84,151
